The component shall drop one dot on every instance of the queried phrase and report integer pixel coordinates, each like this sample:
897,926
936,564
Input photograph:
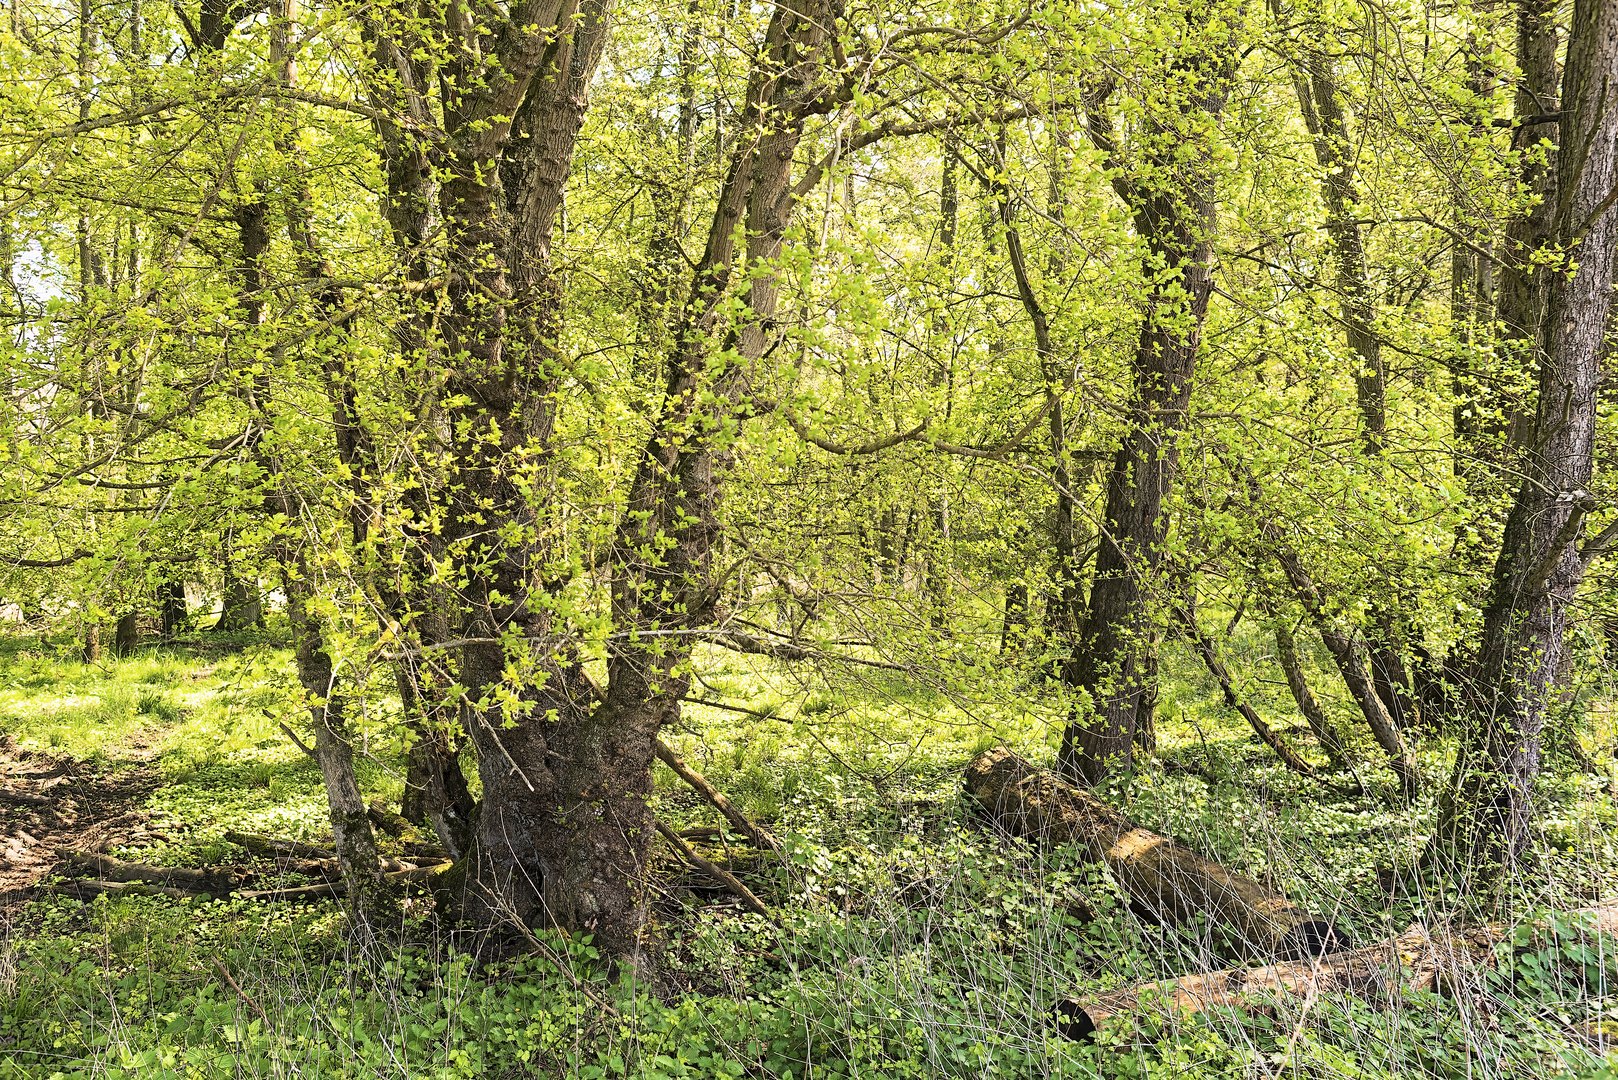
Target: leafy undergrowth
910,942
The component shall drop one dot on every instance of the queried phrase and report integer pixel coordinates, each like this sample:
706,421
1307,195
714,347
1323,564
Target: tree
1171,195
1486,823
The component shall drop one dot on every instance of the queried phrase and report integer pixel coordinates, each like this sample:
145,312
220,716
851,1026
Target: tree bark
1175,212
1486,822
1320,98
1495,424
176,616
1170,882
355,843
126,635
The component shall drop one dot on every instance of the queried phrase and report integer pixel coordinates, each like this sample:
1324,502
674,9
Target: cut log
1418,959
1167,880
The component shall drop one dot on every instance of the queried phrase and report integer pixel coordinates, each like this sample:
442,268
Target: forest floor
905,940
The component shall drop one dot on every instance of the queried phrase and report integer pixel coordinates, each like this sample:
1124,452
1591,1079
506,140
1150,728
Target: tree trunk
1014,622
565,827
1486,822
1114,663
1497,425
1170,882
1348,653
176,616
368,900
90,650
126,635
243,606
436,793
1325,732
1321,100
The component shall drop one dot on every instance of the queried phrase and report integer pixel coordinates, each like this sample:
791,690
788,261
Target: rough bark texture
1487,821
1419,959
1175,212
126,634
564,830
1169,881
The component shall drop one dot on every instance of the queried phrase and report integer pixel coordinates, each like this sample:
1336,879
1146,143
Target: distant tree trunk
90,650
242,608
367,897
936,577
1175,213
1498,427
1320,98
369,902
1325,732
1487,821
1349,654
1063,605
126,635
176,616
1014,627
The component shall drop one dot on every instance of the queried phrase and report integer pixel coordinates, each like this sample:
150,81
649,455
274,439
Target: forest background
469,440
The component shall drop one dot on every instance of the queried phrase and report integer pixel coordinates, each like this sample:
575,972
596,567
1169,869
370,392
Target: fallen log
107,868
1167,880
85,888
303,858
271,847
340,888
1419,959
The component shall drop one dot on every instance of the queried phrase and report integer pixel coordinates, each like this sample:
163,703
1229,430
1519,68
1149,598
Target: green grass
911,944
